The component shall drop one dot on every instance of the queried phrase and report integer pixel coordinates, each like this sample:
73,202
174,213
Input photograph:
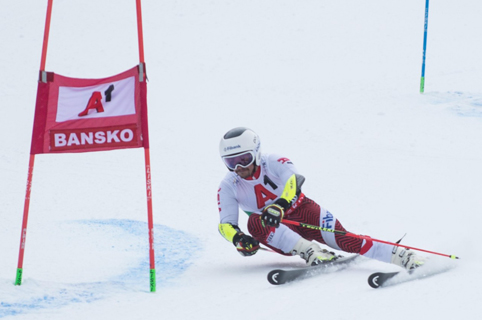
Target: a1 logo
95,101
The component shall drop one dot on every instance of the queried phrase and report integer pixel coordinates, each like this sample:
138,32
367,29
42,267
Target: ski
278,276
384,279
378,279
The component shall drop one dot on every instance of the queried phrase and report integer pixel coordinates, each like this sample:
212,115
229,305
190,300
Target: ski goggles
244,160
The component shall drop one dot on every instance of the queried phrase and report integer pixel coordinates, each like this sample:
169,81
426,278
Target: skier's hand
246,245
272,215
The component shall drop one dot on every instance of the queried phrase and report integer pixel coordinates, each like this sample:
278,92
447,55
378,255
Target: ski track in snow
462,104
170,263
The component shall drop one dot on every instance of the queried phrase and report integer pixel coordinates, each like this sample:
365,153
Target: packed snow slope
332,85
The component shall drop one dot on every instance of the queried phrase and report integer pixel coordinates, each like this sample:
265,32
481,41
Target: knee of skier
255,226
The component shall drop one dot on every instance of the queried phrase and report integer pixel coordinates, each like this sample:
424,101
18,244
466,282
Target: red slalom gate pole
349,234
23,235
150,223
140,37
150,219
46,35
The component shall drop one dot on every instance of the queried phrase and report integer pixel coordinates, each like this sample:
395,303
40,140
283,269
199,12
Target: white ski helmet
238,141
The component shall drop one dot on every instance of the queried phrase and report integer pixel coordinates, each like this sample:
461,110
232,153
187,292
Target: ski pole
266,249
349,234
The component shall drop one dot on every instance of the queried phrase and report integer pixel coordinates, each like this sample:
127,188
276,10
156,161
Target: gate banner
83,115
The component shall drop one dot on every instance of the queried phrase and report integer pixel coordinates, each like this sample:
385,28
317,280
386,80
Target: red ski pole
349,234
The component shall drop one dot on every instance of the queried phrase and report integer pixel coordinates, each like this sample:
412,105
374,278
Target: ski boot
312,253
406,259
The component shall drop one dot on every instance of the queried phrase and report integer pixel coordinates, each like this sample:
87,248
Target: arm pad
291,190
228,231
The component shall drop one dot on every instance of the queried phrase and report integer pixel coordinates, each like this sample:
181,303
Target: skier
268,188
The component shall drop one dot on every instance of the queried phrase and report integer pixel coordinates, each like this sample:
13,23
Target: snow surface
333,85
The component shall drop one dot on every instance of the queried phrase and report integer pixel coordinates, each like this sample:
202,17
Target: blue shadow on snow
171,262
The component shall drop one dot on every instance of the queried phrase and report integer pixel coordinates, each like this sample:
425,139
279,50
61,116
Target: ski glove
246,245
273,213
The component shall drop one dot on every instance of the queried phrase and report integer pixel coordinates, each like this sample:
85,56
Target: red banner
83,115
